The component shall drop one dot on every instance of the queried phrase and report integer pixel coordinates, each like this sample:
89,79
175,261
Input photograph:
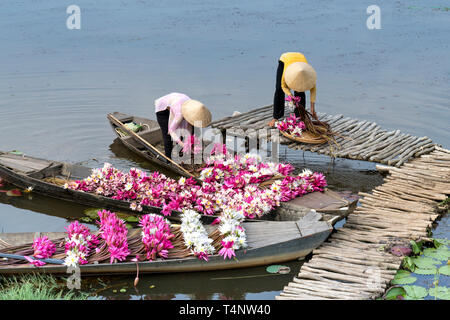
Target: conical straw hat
300,76
196,113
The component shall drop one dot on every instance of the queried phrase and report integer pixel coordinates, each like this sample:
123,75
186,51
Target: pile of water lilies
195,235
292,126
157,239
78,244
228,182
236,186
43,248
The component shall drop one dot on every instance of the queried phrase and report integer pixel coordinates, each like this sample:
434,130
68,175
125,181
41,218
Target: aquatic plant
232,233
43,248
156,236
113,232
78,244
237,183
427,261
195,236
291,125
226,181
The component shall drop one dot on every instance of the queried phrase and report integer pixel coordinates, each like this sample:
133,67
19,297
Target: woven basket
306,137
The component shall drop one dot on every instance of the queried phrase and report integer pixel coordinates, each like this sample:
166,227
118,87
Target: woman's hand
272,123
313,111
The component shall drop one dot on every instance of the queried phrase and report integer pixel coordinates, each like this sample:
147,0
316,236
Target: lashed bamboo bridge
358,140
354,262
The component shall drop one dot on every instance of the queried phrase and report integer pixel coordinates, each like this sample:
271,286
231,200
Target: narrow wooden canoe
269,242
25,171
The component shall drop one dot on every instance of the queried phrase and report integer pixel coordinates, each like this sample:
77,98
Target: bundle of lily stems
135,246
315,127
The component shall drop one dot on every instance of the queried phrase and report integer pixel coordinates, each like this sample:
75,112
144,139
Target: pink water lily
114,233
78,244
227,181
202,256
43,248
227,250
294,99
291,125
36,263
156,236
192,144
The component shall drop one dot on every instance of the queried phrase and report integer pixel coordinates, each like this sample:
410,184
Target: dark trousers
163,120
278,99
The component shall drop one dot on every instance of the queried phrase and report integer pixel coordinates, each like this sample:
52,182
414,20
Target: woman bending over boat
176,112
293,73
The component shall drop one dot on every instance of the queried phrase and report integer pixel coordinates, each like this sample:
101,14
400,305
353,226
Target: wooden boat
46,177
269,242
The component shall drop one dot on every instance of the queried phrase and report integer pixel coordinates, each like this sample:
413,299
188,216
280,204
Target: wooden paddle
18,257
147,144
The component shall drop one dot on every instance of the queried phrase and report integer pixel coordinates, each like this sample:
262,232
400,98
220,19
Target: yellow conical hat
196,113
300,76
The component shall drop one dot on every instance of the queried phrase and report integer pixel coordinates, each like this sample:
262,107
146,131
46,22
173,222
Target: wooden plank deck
352,263
359,140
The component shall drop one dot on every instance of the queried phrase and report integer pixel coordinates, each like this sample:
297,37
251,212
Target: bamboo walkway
355,262
359,140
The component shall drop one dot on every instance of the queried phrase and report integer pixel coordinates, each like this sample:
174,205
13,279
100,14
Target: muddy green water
56,86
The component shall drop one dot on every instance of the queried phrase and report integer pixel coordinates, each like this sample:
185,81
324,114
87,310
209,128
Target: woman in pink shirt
175,113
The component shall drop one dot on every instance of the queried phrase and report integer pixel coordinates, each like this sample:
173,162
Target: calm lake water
57,85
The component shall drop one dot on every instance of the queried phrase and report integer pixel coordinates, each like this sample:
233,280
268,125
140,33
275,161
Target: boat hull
252,257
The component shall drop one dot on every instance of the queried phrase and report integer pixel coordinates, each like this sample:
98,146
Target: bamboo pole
147,144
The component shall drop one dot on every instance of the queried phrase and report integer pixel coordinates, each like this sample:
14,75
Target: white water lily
231,229
194,233
128,186
71,260
305,173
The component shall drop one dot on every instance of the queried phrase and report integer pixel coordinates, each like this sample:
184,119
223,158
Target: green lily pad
428,271
438,242
415,292
93,214
131,219
278,269
16,152
425,262
440,293
403,277
393,293
442,253
123,290
445,270
127,217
